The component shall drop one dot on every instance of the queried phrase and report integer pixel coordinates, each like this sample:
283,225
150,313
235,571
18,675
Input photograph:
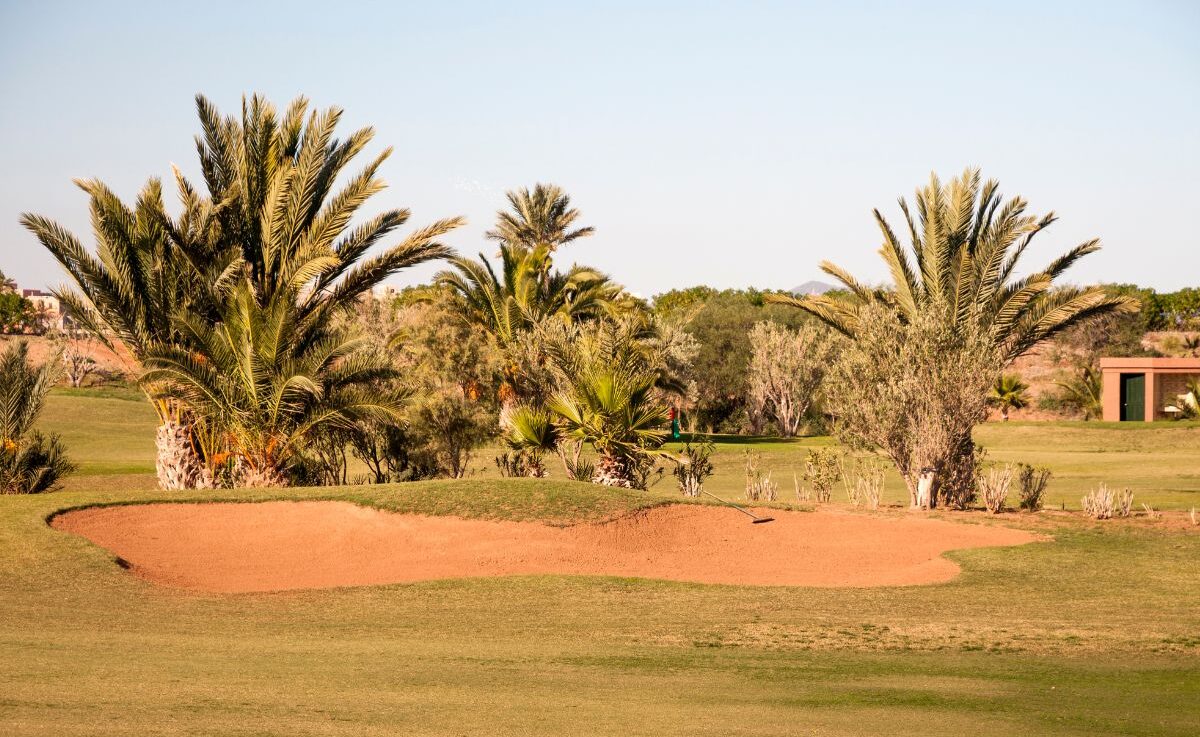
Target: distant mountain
812,287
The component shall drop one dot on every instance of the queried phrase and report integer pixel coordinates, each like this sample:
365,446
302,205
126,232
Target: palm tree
614,409
512,302
966,244
1083,391
29,461
611,381
524,293
271,218
532,430
125,293
6,284
261,375
1009,393
541,218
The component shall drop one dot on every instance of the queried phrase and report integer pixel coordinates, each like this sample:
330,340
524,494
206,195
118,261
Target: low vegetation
1031,485
30,461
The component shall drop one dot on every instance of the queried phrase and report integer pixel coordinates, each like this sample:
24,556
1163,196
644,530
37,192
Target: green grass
107,431
1094,633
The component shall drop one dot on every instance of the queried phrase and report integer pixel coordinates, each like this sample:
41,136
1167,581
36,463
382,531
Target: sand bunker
275,546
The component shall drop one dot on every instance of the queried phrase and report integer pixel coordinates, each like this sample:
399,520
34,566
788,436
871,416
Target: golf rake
757,520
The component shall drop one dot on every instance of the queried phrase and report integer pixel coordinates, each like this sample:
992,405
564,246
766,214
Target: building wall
1170,387
1165,380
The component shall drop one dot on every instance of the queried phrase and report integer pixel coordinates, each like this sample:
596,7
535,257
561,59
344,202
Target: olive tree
786,370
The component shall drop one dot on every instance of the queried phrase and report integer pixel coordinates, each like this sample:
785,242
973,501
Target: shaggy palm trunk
261,476
177,463
612,471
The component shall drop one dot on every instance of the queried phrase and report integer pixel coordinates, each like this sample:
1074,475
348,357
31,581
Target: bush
759,486
995,485
915,391
695,466
30,462
516,464
1125,503
822,469
1031,483
34,465
1101,503
863,480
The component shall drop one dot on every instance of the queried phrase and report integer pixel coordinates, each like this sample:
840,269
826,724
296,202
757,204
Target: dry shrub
1125,503
802,492
822,469
1031,483
1150,511
863,480
786,369
1195,519
1101,503
759,486
995,485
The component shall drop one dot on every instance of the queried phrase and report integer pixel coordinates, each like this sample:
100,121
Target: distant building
1144,389
46,306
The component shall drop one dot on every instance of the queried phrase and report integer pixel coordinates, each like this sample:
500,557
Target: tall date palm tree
966,245
961,267
272,227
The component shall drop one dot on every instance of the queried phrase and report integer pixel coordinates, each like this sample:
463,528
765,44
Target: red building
1141,389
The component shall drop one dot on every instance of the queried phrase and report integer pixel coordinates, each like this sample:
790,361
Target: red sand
274,546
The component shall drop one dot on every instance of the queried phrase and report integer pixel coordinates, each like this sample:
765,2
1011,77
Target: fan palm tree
614,410
966,244
1009,393
532,430
609,398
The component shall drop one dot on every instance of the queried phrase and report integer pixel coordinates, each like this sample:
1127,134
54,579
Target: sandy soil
274,546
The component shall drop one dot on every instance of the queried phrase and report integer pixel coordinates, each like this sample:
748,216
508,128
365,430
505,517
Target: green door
1133,397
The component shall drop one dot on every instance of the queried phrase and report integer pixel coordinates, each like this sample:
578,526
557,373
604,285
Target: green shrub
695,466
30,462
822,469
1031,485
35,464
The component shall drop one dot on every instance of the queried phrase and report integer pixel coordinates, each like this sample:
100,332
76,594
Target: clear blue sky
730,144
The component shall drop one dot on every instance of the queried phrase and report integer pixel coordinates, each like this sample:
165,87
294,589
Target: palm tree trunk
612,471
176,462
260,476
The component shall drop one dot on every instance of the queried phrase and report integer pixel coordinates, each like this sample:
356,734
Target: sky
728,144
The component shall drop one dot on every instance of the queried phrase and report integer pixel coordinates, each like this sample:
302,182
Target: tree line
268,361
